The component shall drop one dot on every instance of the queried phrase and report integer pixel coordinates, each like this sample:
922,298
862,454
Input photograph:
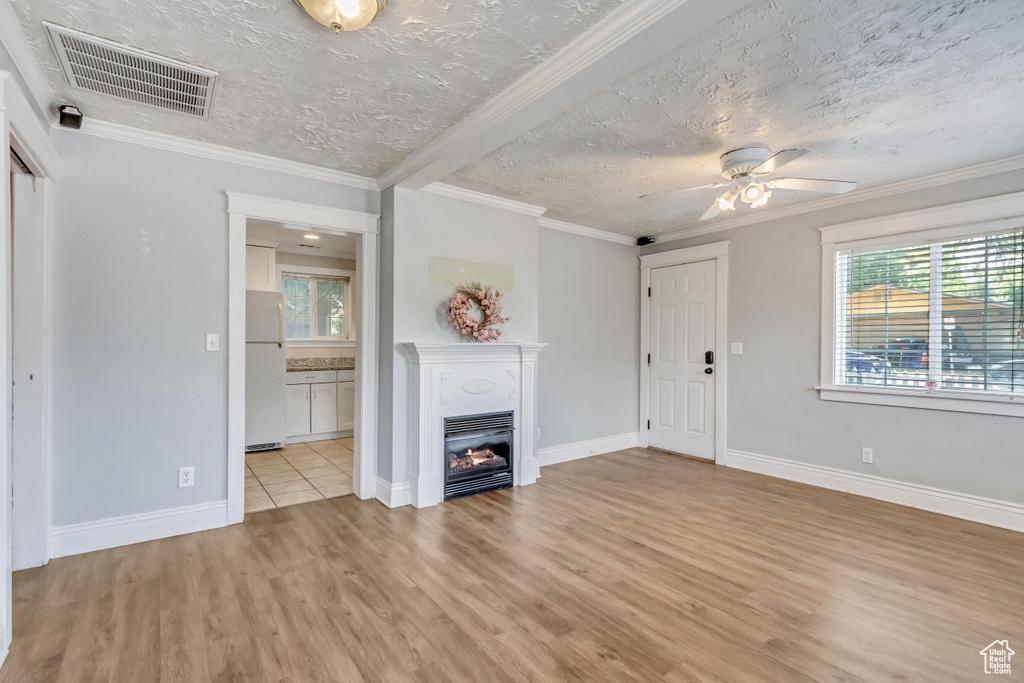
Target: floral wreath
485,299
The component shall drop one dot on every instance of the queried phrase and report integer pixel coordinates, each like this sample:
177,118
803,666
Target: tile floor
298,473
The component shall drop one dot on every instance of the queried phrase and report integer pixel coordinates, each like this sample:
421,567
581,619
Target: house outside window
315,307
936,315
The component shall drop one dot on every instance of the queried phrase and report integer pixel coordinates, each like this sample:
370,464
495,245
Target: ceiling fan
744,170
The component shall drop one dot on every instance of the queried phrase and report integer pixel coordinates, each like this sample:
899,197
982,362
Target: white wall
419,225
140,268
589,314
775,311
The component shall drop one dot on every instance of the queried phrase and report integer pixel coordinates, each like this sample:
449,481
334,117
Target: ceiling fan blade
778,161
813,185
685,189
711,213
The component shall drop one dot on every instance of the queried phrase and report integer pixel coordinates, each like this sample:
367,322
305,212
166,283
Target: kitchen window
315,307
927,314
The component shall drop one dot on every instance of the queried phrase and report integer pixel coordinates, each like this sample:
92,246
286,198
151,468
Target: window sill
928,399
299,343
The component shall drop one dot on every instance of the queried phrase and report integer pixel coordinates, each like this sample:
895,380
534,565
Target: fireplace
478,454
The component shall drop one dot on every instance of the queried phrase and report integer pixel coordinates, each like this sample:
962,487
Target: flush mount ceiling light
311,237
344,15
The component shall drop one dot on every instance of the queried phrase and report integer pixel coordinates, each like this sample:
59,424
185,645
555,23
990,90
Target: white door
682,340
29,387
346,406
323,415
296,402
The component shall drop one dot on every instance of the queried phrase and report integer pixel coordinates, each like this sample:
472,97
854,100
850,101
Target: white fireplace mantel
469,379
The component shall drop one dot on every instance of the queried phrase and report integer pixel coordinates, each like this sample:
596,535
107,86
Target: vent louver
110,68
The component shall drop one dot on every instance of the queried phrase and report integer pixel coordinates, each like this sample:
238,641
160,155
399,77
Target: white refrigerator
264,370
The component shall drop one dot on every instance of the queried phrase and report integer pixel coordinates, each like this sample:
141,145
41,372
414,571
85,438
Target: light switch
213,342
736,348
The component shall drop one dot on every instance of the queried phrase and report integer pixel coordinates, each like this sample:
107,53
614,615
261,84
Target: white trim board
394,495
482,198
562,226
14,41
171,143
584,449
960,505
631,35
113,532
1013,163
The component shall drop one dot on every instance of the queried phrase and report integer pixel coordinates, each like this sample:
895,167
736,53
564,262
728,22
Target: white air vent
122,71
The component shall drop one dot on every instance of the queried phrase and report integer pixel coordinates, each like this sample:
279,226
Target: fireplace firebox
478,454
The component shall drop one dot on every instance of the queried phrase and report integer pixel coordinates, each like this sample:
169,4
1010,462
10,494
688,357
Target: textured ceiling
878,91
358,102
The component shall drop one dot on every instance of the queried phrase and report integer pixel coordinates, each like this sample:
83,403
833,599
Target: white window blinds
945,315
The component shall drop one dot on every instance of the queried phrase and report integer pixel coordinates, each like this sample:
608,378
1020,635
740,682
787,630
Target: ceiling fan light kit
745,169
344,15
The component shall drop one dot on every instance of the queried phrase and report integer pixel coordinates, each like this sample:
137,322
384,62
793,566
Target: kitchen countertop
312,364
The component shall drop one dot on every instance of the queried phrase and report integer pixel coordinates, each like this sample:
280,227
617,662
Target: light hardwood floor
635,566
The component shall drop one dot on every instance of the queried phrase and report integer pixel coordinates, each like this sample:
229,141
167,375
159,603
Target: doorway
301,333
683,340
325,221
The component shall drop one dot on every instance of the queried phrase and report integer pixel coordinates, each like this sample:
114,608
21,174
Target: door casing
719,252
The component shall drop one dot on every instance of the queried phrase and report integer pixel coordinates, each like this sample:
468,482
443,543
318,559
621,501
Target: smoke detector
111,68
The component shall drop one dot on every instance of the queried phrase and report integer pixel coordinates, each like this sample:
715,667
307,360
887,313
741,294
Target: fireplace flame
477,457
471,459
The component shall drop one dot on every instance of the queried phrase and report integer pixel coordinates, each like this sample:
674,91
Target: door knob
708,371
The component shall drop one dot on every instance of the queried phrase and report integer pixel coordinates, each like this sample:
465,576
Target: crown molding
486,199
1014,163
14,41
171,143
633,34
594,233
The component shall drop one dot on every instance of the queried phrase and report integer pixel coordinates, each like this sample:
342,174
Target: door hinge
648,292
648,359
648,424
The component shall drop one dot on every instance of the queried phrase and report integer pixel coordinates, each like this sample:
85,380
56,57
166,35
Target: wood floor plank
634,566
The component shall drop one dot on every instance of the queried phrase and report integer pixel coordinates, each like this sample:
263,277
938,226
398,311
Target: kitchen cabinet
261,269
346,406
320,402
323,409
297,410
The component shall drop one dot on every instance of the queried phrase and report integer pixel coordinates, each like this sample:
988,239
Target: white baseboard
73,539
394,495
585,449
961,505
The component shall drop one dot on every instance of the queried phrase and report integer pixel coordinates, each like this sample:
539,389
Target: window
940,316
315,306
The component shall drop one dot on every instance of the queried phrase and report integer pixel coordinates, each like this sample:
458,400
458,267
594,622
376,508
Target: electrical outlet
186,477
736,348
867,455
213,342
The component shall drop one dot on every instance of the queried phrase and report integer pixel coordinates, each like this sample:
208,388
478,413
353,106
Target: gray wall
140,263
589,316
775,311
416,226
